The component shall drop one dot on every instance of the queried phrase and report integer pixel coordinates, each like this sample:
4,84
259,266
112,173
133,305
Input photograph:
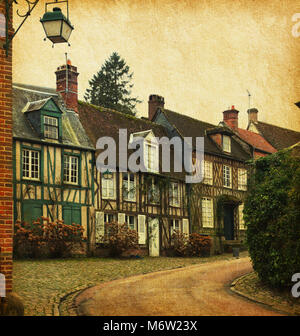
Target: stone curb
54,303
253,298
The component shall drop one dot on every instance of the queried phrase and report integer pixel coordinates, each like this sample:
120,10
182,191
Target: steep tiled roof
73,133
100,122
190,127
278,137
256,140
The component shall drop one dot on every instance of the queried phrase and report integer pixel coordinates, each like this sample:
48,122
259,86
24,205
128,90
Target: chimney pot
230,117
252,115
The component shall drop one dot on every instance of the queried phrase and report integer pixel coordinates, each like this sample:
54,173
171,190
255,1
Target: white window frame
207,212
127,221
226,143
242,179
151,156
207,167
174,199
175,225
69,171
50,124
107,215
108,184
227,176
31,174
241,217
129,187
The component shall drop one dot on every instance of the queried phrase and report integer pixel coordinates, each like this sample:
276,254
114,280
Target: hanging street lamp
56,25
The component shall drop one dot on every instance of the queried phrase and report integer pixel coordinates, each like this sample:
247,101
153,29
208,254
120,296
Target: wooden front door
228,222
153,237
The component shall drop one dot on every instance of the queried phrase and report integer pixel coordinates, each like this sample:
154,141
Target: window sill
24,179
108,198
174,205
65,184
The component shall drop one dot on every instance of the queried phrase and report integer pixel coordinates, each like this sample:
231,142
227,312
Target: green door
31,212
228,222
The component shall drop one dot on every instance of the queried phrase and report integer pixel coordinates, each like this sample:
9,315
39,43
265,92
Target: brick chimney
252,115
154,103
231,118
67,86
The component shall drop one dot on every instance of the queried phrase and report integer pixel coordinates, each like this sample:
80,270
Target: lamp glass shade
66,30
57,27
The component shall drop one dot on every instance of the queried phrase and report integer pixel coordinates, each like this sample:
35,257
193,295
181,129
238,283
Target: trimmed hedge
272,216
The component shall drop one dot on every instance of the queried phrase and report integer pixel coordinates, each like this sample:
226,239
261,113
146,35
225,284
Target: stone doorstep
253,298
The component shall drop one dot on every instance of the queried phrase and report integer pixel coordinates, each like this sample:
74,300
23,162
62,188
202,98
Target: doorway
229,221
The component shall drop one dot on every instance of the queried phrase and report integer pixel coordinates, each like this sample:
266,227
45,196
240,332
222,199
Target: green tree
272,216
111,86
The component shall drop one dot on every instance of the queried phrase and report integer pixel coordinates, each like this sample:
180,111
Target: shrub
193,245
119,238
46,239
272,216
199,245
179,246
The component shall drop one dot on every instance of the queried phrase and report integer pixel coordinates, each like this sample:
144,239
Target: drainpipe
188,190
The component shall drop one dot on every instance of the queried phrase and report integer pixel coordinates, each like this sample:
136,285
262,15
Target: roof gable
47,104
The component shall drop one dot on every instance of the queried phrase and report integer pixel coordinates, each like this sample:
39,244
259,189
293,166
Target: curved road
199,290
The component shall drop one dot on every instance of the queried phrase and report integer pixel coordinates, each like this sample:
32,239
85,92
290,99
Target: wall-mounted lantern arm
8,4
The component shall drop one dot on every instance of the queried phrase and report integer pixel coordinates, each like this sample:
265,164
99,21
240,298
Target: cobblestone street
43,283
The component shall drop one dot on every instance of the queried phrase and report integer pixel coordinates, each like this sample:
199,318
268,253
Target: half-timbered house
52,158
216,204
151,202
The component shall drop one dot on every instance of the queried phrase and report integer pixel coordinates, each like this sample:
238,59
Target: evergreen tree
111,86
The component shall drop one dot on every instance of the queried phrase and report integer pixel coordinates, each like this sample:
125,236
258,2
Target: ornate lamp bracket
8,5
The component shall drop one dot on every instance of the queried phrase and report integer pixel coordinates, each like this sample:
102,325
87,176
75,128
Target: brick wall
6,168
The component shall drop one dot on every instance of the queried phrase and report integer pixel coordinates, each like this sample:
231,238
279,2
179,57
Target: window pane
50,127
31,164
71,169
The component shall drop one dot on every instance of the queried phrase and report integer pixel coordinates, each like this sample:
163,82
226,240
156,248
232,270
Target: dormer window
50,127
151,149
45,117
226,143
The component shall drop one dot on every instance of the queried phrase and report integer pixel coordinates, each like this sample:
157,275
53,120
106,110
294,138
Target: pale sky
200,55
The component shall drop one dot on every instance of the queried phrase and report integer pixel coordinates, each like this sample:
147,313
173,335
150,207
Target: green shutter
67,215
76,216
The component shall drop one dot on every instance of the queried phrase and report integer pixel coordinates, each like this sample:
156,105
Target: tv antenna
249,96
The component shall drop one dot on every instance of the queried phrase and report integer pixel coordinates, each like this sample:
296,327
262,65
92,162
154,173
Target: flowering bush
120,238
194,245
46,239
199,245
